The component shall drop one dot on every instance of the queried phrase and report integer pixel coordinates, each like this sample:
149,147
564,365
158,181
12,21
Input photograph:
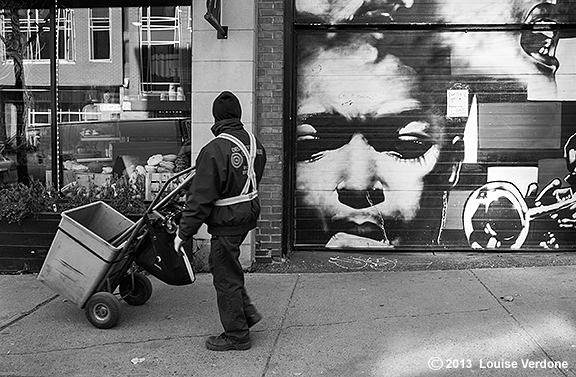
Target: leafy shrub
19,201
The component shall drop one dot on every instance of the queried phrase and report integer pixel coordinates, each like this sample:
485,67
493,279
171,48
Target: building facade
404,125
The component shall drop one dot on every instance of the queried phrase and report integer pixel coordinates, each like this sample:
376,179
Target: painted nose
360,188
359,199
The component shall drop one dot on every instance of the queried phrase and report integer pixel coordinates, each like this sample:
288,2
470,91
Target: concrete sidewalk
487,322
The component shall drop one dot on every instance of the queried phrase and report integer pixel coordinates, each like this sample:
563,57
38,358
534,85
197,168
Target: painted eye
307,138
411,147
311,143
311,147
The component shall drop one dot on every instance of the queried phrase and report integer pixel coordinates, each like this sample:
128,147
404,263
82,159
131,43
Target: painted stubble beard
359,190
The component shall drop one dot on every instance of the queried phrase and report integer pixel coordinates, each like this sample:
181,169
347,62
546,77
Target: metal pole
56,171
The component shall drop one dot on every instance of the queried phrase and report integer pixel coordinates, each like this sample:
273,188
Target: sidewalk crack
364,320
518,323
26,313
284,316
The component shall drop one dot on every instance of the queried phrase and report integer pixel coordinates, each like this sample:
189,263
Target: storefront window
117,104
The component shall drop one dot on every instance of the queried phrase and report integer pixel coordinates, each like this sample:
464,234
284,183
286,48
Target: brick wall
269,124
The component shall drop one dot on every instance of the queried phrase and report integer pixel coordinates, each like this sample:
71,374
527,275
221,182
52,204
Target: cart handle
158,202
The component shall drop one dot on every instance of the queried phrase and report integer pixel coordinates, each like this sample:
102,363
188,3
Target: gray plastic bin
80,255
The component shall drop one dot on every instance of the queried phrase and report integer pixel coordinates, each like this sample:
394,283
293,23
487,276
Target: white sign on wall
457,104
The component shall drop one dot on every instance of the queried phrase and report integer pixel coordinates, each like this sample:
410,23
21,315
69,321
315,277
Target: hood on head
226,106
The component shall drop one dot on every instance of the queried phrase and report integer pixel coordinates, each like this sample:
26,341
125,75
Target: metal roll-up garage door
434,125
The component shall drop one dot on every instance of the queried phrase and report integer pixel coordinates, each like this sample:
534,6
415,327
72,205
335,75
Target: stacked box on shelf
154,183
98,179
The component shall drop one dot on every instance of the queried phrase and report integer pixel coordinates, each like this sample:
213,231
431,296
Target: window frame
151,26
30,25
99,25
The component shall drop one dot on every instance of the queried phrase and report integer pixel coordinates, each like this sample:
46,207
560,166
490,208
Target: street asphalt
378,320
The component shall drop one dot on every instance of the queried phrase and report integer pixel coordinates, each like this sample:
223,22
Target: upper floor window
32,26
160,47
100,34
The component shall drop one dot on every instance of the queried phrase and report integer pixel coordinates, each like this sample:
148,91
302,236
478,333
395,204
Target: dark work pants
233,302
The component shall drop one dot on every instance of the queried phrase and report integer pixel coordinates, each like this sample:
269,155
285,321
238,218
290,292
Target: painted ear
458,156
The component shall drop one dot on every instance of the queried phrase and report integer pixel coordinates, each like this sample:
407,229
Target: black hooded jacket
217,178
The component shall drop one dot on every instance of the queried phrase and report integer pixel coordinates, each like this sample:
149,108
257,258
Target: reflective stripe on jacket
222,171
250,191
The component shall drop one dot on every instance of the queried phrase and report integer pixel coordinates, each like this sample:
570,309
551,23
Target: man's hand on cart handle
178,243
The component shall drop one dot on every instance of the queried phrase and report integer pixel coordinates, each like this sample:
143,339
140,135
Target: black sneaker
253,319
225,343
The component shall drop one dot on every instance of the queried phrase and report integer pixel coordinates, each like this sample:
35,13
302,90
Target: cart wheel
103,310
137,293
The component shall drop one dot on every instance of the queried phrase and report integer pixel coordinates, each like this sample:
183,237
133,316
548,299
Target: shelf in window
97,159
156,104
100,138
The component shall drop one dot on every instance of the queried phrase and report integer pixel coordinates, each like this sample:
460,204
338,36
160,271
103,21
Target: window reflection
159,48
100,34
145,77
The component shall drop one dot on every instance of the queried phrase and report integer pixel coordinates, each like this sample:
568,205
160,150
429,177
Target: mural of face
372,156
376,153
